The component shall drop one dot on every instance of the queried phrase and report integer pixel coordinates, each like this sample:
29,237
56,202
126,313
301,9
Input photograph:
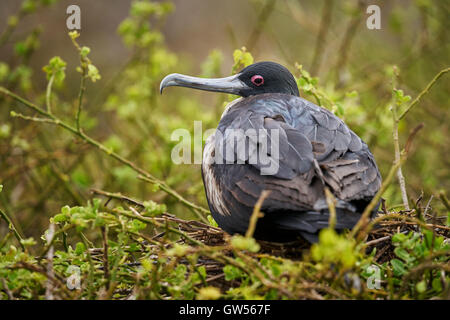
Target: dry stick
397,164
364,217
49,269
397,119
105,255
400,177
321,38
6,289
138,216
331,202
117,195
256,214
91,265
51,229
199,211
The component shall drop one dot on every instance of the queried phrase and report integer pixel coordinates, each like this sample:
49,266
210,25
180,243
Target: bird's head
258,78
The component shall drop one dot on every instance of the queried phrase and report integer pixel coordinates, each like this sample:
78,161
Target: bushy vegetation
74,165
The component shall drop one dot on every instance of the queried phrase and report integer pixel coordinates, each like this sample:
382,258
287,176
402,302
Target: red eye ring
257,80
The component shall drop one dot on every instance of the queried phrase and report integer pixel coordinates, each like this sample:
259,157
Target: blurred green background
135,44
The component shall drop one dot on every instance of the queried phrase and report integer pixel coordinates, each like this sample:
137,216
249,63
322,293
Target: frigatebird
315,150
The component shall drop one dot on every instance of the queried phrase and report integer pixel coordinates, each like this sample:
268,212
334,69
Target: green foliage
335,248
242,58
244,243
56,68
48,171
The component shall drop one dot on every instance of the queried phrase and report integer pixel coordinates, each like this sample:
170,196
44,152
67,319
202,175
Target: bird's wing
312,143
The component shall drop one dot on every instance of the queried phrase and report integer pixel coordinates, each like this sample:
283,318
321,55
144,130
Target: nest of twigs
379,236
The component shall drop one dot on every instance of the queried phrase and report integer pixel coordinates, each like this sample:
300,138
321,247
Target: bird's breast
210,179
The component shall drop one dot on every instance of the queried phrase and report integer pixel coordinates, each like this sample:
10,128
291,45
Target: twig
347,41
49,269
91,265
393,108
49,93
400,177
256,214
372,242
80,98
117,195
424,91
331,202
6,289
364,217
321,38
105,255
200,211
261,21
12,228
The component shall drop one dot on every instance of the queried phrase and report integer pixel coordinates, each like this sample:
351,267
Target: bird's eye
257,80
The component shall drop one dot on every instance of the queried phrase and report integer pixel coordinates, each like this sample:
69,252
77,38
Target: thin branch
400,177
424,91
117,195
49,269
321,38
256,214
80,98
200,211
331,202
364,217
349,35
12,228
261,21
105,255
49,93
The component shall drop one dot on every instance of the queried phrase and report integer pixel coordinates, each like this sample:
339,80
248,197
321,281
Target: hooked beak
230,84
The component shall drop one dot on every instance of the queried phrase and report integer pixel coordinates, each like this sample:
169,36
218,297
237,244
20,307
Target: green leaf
85,51
404,255
437,284
80,248
398,237
28,242
4,71
243,243
232,273
56,68
399,267
93,73
212,221
74,34
421,286
60,218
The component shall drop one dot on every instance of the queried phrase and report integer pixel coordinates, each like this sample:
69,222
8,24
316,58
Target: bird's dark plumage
316,150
